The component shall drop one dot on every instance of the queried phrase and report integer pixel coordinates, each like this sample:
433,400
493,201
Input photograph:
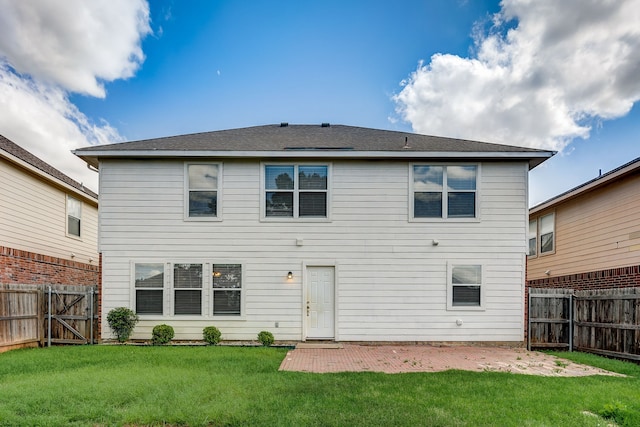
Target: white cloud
49,49
40,118
74,43
539,83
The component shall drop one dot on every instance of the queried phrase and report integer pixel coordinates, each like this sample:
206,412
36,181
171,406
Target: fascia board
584,188
341,154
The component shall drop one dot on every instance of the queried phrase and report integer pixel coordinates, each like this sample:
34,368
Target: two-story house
316,232
588,237
48,223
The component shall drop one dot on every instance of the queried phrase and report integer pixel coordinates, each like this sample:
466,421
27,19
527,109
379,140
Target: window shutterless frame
444,192
74,217
188,288
149,288
465,286
299,192
226,300
547,233
533,238
159,293
542,235
203,191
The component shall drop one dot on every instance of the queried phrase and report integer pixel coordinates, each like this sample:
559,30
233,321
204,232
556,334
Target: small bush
266,338
211,335
122,320
161,334
619,413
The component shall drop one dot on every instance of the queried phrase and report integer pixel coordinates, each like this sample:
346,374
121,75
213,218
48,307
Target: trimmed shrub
211,335
161,334
122,320
266,338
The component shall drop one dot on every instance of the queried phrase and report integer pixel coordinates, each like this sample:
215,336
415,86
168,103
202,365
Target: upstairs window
547,233
187,286
202,182
444,191
542,235
533,237
74,216
296,191
149,286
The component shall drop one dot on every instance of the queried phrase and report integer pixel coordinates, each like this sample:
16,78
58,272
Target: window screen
149,284
227,288
187,283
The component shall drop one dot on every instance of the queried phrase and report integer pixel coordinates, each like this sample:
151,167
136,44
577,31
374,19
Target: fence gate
71,315
550,319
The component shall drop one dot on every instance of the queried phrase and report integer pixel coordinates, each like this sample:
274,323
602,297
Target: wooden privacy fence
32,315
550,319
605,322
20,318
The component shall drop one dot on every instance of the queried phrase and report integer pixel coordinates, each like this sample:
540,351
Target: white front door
320,304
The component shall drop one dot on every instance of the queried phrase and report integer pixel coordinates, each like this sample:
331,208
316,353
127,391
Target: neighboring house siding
595,232
391,281
33,218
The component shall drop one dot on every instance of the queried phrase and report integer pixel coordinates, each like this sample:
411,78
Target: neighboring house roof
616,174
311,141
18,155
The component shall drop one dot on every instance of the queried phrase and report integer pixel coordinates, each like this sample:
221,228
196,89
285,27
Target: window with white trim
547,233
202,190
227,289
542,235
149,288
533,237
74,216
187,289
465,287
296,191
444,191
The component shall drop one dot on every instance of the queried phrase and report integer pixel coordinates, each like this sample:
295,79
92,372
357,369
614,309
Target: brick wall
622,277
22,267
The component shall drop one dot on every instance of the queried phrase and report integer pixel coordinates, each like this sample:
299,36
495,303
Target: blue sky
553,76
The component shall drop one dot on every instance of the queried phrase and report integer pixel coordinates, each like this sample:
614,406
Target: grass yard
230,386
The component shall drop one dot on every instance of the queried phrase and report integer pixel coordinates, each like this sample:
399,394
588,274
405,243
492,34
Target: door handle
308,308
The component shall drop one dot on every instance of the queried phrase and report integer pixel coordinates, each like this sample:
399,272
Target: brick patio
394,359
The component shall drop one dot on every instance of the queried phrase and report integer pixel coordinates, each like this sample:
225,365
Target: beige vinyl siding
595,231
391,282
33,217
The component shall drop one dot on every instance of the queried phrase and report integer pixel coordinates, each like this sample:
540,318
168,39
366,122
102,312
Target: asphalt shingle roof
308,137
22,154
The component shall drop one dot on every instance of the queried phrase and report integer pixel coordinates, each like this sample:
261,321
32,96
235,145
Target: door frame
305,286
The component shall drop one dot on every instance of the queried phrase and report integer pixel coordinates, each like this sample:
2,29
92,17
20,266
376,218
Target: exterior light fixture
289,275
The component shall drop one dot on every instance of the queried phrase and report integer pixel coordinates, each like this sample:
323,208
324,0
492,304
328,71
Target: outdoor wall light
289,275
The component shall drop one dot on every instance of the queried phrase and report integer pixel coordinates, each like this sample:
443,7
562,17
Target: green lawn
219,386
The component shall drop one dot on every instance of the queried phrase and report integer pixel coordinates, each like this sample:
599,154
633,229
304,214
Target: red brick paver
425,358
